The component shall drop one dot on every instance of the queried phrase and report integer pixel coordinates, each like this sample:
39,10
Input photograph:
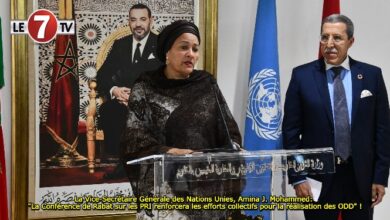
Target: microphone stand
230,142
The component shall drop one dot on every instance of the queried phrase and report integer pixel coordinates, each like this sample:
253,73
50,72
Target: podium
222,184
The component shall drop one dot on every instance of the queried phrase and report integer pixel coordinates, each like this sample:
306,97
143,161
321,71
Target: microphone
231,145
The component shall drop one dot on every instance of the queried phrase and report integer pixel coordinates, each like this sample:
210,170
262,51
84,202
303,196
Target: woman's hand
178,151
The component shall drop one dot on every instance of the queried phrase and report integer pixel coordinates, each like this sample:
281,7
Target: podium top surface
240,164
234,155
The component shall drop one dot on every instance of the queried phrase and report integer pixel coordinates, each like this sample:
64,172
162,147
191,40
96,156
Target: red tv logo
42,26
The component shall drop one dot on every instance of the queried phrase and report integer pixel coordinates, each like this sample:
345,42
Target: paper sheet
315,188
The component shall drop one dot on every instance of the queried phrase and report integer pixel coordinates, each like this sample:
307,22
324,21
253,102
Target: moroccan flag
3,177
263,116
63,110
330,7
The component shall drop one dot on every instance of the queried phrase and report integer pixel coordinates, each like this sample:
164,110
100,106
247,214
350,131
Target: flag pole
263,118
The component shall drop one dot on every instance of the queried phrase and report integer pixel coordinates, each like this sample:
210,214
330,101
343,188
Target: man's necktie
137,54
341,117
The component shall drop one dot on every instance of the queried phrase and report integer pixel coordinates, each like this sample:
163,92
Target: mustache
330,50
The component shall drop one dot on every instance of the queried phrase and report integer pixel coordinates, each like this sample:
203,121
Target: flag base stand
67,159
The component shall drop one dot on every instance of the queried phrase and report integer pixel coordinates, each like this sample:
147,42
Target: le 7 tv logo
42,26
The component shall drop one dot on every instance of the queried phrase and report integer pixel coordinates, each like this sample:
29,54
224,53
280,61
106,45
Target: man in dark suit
340,102
128,58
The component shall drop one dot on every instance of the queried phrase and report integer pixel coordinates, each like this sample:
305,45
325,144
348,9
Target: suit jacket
119,70
308,112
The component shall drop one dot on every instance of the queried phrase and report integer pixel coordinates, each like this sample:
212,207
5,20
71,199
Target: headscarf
170,33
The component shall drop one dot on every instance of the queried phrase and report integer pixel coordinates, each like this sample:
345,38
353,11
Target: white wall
298,34
5,93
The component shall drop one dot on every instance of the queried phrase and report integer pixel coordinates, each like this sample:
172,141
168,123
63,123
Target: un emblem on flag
264,104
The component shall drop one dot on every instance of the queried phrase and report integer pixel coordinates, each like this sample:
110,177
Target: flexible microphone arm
230,142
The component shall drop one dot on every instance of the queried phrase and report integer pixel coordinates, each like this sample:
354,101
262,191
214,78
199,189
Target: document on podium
315,188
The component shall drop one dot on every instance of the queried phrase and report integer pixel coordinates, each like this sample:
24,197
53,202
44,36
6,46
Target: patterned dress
165,113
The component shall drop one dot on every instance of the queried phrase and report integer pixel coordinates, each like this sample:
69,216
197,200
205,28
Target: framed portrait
46,167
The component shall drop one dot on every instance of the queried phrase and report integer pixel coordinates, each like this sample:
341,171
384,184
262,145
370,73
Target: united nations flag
263,116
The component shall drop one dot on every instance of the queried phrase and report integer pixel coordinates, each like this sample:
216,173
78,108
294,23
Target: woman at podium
177,110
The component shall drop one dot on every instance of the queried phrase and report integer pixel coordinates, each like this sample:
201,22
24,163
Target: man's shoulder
363,65
309,68
124,40
310,65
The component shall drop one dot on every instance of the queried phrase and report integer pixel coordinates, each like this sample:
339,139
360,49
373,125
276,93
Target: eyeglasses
335,39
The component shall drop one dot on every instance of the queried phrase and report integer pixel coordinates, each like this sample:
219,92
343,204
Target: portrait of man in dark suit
339,102
129,57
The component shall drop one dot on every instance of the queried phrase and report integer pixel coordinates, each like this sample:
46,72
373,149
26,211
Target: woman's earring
166,61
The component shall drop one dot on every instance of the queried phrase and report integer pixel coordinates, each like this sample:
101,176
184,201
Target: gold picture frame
23,107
